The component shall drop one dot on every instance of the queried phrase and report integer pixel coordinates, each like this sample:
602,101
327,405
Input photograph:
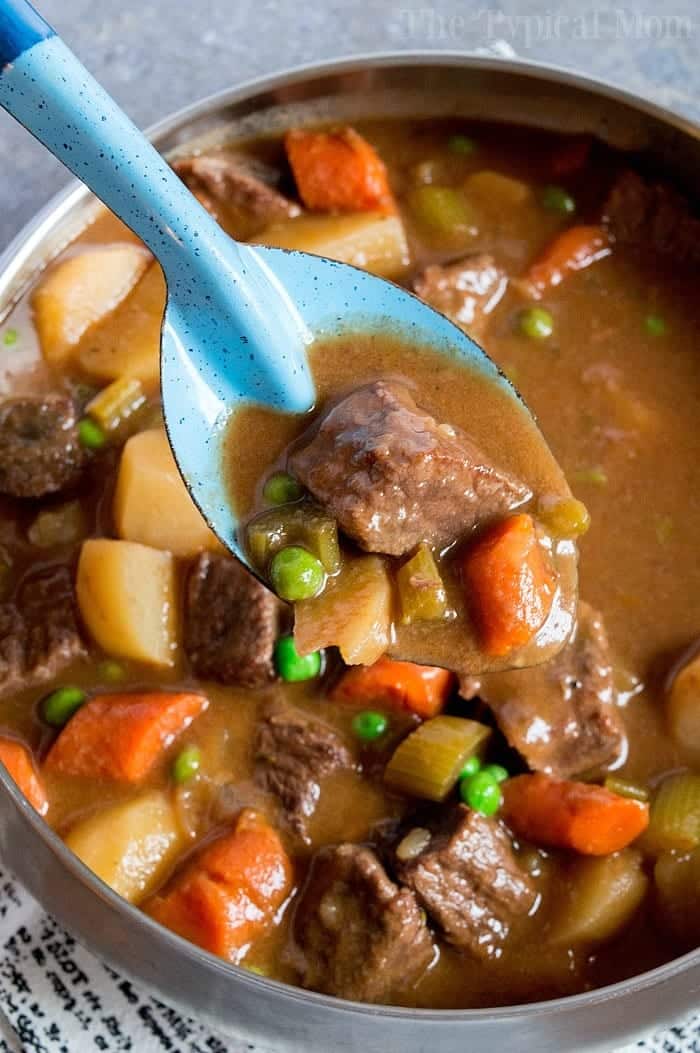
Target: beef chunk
237,190
39,632
469,882
392,476
292,752
39,448
653,215
560,716
231,623
467,291
360,935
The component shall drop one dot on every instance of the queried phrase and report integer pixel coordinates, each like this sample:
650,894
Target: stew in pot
398,787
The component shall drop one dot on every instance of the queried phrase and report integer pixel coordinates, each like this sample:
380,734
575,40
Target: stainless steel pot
231,999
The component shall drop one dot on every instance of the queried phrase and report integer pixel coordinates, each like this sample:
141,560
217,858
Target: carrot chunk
572,250
422,689
510,584
338,171
123,736
577,815
229,894
20,766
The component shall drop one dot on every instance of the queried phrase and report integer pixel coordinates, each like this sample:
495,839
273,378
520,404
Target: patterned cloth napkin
55,997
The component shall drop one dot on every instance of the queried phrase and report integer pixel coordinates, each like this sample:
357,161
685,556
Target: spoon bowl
239,318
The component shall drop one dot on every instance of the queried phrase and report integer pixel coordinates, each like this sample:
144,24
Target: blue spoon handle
46,88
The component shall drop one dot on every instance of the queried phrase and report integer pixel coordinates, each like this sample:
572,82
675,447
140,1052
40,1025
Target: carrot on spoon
422,689
228,894
338,171
123,736
509,584
20,766
576,815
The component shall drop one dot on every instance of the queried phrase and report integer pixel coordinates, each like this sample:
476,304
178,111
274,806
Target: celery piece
60,525
441,210
429,761
421,589
298,524
625,788
674,822
115,403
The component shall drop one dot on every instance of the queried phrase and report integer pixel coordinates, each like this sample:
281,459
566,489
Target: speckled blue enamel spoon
238,318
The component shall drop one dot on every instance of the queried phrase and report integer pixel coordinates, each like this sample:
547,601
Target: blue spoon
239,318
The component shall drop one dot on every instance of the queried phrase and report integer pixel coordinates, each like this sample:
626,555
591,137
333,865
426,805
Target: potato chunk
80,291
127,344
127,594
132,845
371,240
151,502
604,893
352,613
683,709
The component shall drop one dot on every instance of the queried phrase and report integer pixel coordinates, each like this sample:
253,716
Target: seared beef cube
238,189
40,452
360,935
467,291
231,623
469,882
293,751
561,715
653,215
39,633
392,476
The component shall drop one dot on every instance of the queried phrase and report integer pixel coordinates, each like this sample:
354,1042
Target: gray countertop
156,55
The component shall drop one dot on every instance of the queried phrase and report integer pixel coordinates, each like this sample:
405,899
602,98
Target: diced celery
299,524
674,822
421,589
115,403
442,211
625,788
429,761
60,525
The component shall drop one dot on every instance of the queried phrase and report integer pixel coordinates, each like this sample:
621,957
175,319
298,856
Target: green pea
296,574
499,773
471,766
281,489
655,325
58,707
557,199
369,726
90,434
461,144
292,666
187,763
536,322
482,793
11,337
111,671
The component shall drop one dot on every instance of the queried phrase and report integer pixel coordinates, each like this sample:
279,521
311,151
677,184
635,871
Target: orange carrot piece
572,155
510,584
577,815
20,766
228,895
123,736
422,689
573,250
338,171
